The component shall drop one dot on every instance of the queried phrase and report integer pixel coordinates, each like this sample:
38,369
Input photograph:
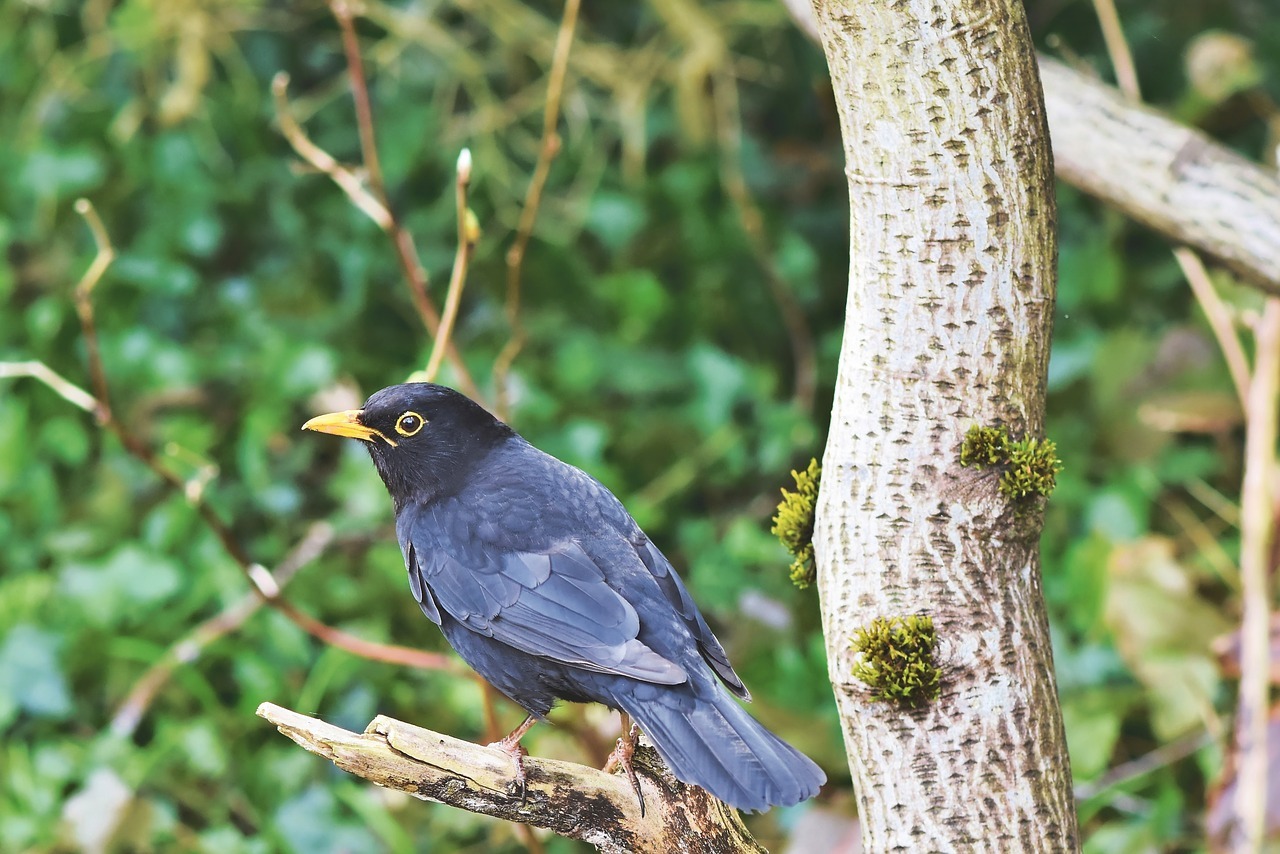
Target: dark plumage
543,583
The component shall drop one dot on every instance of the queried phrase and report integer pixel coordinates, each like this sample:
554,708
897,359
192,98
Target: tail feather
712,742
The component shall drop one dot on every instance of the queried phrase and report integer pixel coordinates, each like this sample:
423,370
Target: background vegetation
698,200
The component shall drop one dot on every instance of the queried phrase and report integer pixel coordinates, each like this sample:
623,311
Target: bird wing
673,588
551,603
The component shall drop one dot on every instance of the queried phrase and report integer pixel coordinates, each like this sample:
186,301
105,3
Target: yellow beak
346,424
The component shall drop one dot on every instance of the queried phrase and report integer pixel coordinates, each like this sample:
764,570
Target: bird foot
510,745
621,757
517,753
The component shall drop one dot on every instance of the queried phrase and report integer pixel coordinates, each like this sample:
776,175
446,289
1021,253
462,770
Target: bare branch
1257,534
468,235
360,94
1219,317
374,204
1155,170
127,717
571,800
258,576
547,151
84,306
66,389
1118,49
1165,175
322,160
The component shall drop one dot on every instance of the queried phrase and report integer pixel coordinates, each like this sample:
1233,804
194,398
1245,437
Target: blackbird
545,585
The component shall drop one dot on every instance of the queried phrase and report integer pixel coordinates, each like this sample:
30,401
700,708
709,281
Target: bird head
424,438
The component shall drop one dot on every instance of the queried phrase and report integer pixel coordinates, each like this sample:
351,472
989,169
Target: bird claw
517,753
511,746
621,757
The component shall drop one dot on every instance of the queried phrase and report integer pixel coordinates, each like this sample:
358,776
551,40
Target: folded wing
554,604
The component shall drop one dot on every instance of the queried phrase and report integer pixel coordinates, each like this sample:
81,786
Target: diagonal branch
260,578
373,206
360,94
1219,317
41,372
547,151
572,800
1166,175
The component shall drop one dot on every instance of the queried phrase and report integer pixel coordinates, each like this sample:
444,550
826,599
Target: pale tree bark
1166,175
951,289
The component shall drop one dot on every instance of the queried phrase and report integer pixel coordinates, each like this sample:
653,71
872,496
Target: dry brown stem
261,579
1257,533
468,234
547,151
1219,317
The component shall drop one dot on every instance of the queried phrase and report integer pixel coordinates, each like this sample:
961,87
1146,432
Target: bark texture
1168,176
1164,174
572,800
951,289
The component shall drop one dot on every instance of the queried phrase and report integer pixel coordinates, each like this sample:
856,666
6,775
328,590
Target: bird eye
409,423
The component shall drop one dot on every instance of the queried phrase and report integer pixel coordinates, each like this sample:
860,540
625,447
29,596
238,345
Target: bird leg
511,746
621,756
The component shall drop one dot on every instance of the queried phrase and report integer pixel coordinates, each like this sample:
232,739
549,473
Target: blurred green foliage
247,293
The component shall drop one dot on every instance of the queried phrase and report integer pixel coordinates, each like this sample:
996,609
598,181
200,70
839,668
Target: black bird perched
545,585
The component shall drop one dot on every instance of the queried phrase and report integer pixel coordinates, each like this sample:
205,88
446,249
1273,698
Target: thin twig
729,131
1206,542
547,151
1219,317
66,389
1118,49
468,235
360,94
130,713
1257,520
1148,763
102,259
376,207
322,160
259,577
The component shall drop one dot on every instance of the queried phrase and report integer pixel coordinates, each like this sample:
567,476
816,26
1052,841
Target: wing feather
673,588
554,604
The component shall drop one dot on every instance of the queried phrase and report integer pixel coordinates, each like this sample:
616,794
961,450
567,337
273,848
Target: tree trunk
951,289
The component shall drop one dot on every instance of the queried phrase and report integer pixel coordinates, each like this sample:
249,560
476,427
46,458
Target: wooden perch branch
569,799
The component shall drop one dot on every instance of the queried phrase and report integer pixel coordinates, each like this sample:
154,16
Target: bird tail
709,740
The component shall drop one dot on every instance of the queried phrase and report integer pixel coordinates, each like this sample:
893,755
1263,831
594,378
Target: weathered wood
951,289
1165,175
569,799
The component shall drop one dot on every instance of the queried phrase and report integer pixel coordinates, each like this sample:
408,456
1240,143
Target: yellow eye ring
409,423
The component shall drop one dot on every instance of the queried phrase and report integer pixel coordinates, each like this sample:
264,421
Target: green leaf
31,676
122,588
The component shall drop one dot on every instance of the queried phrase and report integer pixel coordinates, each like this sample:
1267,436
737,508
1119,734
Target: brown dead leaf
1164,631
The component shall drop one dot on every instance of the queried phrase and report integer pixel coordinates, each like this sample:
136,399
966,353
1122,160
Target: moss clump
1029,467
793,524
897,660
1032,469
984,447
